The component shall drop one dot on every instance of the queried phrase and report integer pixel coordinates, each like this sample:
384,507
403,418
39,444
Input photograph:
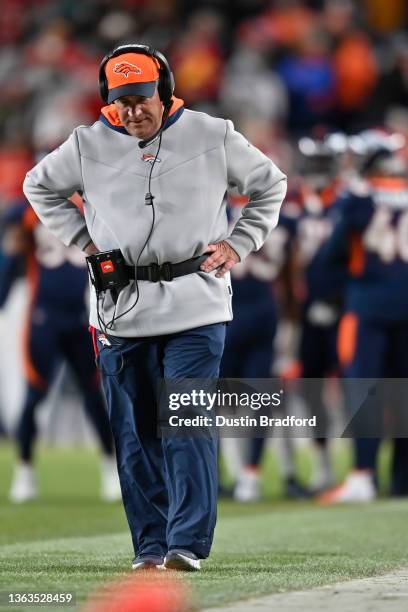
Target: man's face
140,116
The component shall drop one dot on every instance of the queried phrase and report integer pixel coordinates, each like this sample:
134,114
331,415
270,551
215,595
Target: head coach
153,178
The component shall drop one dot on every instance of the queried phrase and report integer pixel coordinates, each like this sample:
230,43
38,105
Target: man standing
153,177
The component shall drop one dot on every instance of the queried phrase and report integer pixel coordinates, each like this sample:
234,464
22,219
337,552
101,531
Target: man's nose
134,111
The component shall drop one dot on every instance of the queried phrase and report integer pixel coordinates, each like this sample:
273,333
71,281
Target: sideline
386,593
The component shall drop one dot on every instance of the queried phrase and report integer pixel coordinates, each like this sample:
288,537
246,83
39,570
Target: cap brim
133,89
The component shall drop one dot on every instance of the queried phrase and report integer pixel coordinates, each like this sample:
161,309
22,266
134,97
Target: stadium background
237,59
279,69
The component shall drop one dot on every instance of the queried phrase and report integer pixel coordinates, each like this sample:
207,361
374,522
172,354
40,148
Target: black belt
166,271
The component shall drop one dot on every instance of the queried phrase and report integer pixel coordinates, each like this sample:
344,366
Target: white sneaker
248,487
182,560
358,487
148,563
110,485
24,485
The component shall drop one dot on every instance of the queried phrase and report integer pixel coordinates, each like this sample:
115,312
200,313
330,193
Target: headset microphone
144,143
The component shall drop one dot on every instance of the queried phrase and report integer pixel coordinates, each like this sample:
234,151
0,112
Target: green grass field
69,541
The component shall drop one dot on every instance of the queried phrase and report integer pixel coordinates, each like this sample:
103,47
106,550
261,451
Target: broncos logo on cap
125,68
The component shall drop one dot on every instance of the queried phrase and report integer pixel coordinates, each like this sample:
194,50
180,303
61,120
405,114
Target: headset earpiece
166,79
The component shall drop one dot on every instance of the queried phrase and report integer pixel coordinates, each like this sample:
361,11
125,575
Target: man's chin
137,133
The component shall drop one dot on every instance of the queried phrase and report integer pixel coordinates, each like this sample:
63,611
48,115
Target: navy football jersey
370,237
252,278
314,226
57,274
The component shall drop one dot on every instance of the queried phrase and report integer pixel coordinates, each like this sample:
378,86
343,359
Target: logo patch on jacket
126,68
149,157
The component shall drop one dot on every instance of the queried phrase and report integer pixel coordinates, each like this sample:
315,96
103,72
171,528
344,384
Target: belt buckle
166,271
154,272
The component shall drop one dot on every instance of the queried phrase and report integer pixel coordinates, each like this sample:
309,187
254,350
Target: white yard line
387,593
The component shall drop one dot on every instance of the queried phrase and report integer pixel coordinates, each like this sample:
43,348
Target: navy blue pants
318,350
52,337
381,350
169,485
319,359
249,351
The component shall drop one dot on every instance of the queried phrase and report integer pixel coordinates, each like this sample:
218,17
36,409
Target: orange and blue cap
131,74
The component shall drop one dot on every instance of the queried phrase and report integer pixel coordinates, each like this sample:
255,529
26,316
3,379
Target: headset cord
111,340
149,198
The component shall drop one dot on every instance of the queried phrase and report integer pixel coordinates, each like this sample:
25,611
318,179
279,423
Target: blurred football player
322,291
370,237
56,327
250,336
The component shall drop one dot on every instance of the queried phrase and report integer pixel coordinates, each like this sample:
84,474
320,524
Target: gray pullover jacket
200,158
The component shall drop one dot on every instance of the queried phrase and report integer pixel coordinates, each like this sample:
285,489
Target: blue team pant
319,359
318,350
53,337
249,351
381,351
169,485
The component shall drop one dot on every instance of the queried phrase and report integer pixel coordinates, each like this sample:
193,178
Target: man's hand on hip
223,257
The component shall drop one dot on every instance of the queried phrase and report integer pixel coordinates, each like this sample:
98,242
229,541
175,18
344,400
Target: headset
166,84
165,90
